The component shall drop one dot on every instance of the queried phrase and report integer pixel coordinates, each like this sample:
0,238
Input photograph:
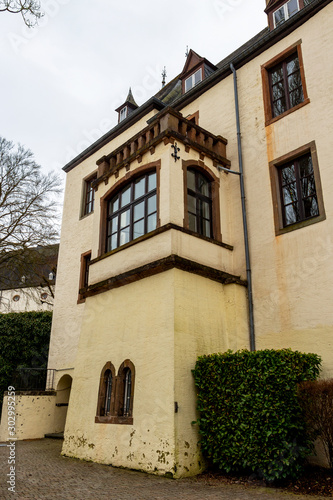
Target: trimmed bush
250,417
316,399
24,342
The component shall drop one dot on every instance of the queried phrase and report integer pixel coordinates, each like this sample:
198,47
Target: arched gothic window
106,391
116,393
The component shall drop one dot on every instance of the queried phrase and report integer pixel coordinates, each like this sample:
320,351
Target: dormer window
285,12
196,69
127,108
193,80
123,114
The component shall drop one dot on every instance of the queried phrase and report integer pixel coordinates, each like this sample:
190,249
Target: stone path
42,473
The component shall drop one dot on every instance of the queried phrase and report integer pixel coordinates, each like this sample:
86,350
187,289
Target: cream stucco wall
161,324
34,416
78,235
29,300
164,322
133,322
292,272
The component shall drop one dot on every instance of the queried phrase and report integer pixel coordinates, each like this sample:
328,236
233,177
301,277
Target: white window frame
123,114
285,10
192,79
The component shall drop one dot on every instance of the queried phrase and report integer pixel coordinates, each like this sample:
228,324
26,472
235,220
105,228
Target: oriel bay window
132,212
199,203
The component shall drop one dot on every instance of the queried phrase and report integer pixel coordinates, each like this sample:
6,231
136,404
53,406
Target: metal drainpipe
246,237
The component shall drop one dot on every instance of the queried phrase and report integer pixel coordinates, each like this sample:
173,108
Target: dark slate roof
29,268
171,93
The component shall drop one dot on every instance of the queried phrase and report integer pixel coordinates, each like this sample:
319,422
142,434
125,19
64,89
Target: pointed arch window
106,394
116,394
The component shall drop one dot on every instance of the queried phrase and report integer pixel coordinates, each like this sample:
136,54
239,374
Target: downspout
246,236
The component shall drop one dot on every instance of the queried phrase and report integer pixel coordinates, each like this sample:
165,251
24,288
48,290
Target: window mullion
285,84
299,191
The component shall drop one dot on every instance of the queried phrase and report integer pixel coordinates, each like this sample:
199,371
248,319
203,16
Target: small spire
186,53
130,98
164,74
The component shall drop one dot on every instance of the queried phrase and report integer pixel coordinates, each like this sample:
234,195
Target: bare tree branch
28,208
30,10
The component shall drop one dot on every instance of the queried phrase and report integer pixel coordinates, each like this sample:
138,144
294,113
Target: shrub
316,399
24,342
250,417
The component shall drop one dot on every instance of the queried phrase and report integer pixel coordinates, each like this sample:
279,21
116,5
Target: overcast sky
62,80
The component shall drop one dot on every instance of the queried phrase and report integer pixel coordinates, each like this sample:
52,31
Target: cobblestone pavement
42,473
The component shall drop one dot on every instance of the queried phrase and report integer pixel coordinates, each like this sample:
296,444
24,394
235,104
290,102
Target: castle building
202,222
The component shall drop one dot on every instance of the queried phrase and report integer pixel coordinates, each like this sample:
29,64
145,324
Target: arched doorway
62,401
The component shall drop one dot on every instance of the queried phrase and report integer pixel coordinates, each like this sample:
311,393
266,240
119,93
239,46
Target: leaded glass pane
288,174
139,188
138,229
151,222
277,74
197,77
139,211
206,228
305,165
191,203
114,225
279,107
114,205
114,241
289,194
294,81
191,180
126,196
125,218
192,222
291,214
296,97
203,185
151,204
278,91
292,7
293,65
151,182
279,16
205,209
311,207
124,236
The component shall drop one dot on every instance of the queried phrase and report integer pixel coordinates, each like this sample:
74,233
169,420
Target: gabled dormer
127,108
279,11
195,70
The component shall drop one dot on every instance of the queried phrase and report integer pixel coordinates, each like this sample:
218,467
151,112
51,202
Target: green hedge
24,342
250,418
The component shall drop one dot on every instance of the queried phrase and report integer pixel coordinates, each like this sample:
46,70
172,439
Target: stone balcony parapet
166,126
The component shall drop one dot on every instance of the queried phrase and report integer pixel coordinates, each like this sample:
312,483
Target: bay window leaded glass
199,203
286,85
132,212
298,190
